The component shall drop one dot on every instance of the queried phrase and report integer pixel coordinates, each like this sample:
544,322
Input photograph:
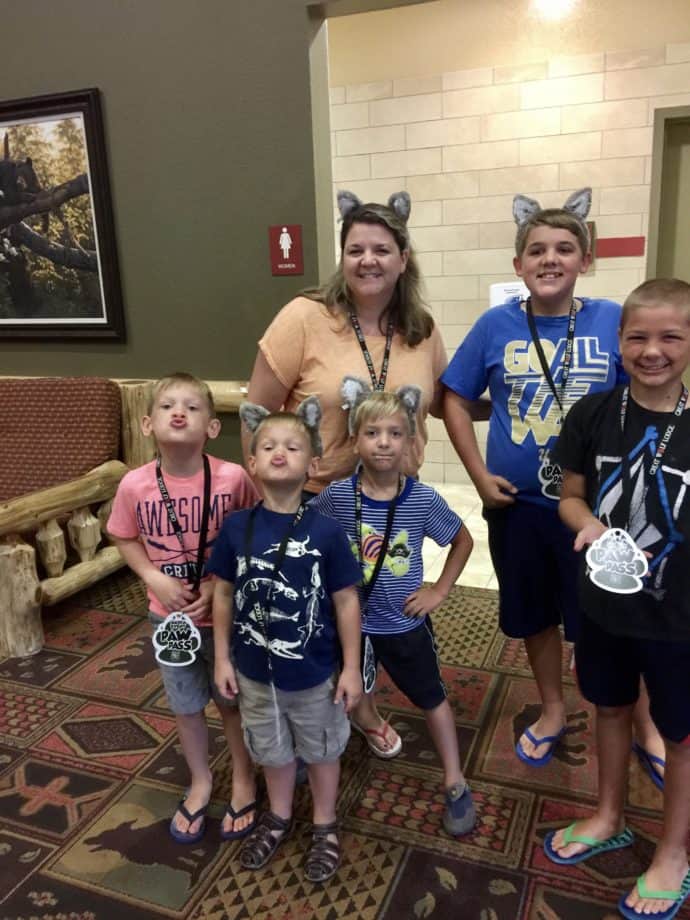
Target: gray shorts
294,723
190,687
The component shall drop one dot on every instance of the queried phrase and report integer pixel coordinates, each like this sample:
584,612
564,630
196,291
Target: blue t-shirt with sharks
297,624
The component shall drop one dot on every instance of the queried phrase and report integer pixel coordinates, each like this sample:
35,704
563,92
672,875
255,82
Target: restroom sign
285,246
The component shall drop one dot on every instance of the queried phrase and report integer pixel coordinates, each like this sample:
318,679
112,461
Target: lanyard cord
175,524
567,357
383,551
381,382
263,615
664,441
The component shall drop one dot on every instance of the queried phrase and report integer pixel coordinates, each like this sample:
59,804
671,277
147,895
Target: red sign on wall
285,246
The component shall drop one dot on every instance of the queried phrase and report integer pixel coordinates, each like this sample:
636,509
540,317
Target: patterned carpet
90,773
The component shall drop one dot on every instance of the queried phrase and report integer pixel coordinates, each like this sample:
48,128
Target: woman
367,320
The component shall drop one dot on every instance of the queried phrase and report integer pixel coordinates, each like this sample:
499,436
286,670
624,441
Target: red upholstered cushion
53,429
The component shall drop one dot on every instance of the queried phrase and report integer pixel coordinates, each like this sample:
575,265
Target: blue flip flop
617,842
678,896
537,742
648,762
240,813
184,836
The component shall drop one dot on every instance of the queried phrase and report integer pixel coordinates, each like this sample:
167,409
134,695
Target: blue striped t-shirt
420,512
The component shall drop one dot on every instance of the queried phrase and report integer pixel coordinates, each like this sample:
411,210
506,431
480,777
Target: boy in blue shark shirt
386,516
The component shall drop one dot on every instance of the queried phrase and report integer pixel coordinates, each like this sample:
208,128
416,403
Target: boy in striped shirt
386,516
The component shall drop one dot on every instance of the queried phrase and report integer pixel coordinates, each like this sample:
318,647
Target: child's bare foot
197,798
240,815
667,876
548,725
595,828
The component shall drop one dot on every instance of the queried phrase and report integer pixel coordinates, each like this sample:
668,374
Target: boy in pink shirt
165,519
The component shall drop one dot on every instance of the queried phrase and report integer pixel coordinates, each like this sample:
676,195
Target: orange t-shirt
310,351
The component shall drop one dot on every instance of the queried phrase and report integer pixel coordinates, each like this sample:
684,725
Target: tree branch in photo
44,201
57,254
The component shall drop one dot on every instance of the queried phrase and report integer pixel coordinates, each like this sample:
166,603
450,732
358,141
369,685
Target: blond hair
658,292
185,379
559,219
311,434
379,404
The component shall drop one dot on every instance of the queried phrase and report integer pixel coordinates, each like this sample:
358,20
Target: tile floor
478,572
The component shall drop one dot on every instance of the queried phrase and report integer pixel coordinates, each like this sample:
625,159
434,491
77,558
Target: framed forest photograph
59,274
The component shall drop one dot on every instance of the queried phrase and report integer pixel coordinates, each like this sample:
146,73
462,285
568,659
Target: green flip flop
677,895
624,839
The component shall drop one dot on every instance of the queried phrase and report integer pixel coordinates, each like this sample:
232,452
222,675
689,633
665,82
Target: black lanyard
261,614
175,524
383,552
626,479
567,357
381,383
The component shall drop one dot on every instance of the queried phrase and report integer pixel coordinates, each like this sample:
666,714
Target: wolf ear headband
400,203
354,391
578,204
308,411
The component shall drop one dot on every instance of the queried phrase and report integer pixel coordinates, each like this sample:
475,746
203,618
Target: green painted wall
208,130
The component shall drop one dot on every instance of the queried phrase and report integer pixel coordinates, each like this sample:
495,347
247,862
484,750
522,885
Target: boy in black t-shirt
626,461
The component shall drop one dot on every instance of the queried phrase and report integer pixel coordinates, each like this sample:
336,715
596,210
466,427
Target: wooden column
21,630
136,449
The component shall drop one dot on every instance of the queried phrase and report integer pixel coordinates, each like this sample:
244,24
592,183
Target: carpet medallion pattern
91,771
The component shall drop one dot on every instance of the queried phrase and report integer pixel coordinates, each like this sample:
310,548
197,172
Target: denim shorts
189,688
280,725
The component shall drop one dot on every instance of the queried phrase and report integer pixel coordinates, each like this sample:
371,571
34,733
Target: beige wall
463,126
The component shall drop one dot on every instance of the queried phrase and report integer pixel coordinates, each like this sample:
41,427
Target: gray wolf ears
309,410
354,390
252,415
578,204
400,202
410,396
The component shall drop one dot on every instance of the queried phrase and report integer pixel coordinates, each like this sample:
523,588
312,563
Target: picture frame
59,274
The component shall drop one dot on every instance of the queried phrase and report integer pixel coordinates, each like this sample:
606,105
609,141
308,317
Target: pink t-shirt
310,351
139,511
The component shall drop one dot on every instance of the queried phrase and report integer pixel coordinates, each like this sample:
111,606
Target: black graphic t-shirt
655,510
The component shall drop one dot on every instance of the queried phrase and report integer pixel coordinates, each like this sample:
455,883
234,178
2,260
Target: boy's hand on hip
349,688
225,679
423,601
588,534
171,592
496,491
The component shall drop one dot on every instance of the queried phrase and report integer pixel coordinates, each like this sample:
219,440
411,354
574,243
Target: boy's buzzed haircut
312,434
658,292
188,380
378,405
559,219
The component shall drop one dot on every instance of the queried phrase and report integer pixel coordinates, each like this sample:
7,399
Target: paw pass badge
176,640
616,563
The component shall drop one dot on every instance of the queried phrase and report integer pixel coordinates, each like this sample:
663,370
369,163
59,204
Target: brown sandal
323,858
262,843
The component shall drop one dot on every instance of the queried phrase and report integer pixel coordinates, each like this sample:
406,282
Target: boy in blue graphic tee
626,461
537,358
386,516
285,601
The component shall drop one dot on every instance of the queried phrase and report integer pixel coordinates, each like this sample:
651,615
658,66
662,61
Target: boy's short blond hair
379,404
559,219
181,377
311,434
658,292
